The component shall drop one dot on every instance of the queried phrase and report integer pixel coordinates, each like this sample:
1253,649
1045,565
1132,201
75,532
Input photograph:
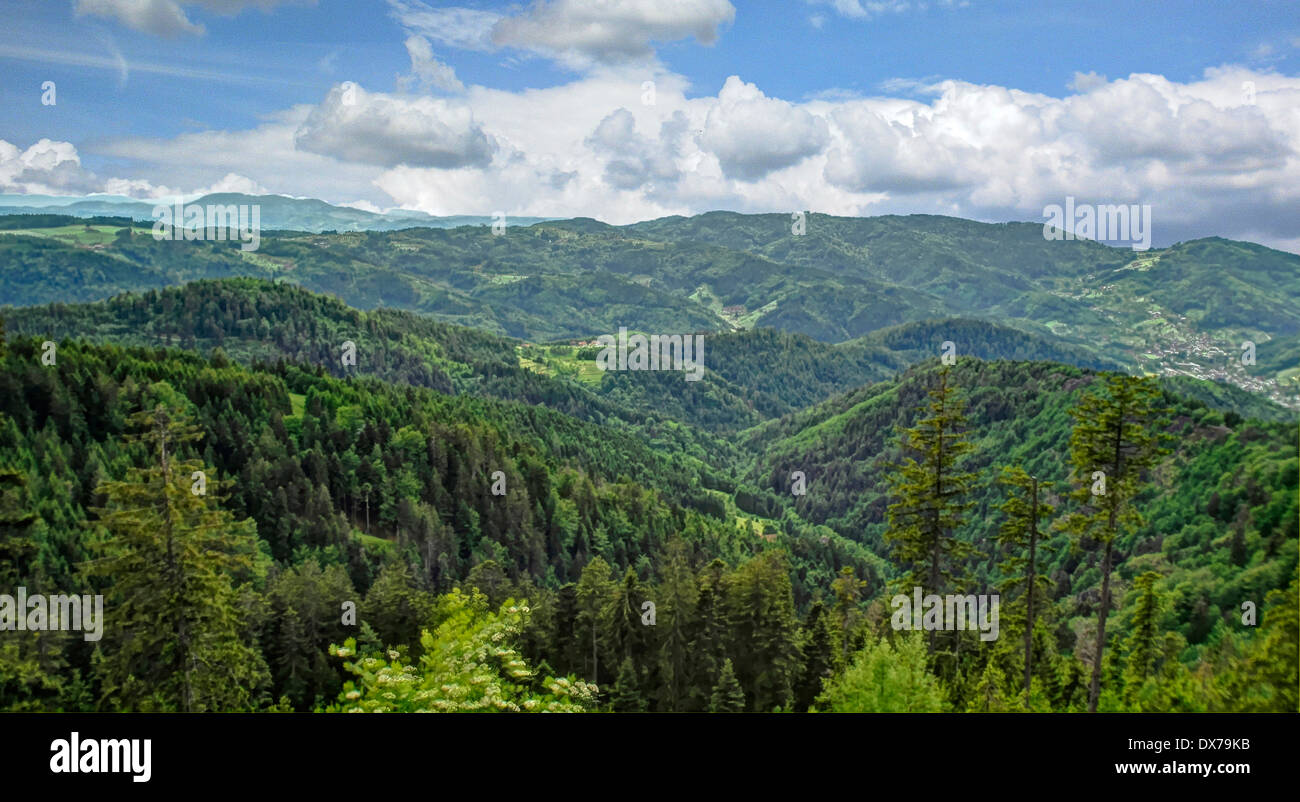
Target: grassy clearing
76,234
559,360
371,542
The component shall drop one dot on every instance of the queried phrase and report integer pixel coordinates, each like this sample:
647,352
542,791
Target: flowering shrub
469,664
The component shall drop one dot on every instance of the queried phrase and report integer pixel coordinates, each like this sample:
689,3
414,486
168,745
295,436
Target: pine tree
628,637
929,493
594,591
1115,439
626,696
761,617
678,595
17,547
1144,642
848,591
709,647
727,697
1019,535
172,637
819,656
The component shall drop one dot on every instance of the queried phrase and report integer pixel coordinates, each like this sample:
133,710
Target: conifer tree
594,591
1019,535
819,656
626,696
1143,646
848,591
709,647
929,494
17,547
678,594
1115,439
727,697
760,614
172,637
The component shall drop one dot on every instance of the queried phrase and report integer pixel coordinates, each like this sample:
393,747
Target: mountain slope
1184,310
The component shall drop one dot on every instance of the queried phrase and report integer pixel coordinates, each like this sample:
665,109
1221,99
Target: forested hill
751,376
355,488
508,520
1182,310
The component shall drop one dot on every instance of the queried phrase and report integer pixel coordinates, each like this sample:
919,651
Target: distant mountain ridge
278,212
1194,309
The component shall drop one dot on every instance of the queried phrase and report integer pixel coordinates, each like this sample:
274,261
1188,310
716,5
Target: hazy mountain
278,212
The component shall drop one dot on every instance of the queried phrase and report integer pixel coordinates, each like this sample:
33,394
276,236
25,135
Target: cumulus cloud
233,182
1206,157
167,17
635,161
47,167
752,134
369,128
578,33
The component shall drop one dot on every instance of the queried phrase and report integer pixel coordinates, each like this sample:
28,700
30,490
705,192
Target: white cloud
752,134
47,167
1205,160
577,33
634,160
609,32
1086,81
368,128
864,10
233,182
159,17
426,70
138,188
167,17
461,28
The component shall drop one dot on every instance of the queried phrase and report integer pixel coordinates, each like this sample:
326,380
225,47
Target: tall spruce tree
594,591
1019,537
626,696
848,592
712,637
728,696
1143,646
819,656
678,595
17,546
172,636
930,489
1116,438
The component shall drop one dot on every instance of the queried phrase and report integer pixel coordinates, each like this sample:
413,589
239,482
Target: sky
635,109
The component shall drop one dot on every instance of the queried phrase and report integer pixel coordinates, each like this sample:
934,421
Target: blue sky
845,106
